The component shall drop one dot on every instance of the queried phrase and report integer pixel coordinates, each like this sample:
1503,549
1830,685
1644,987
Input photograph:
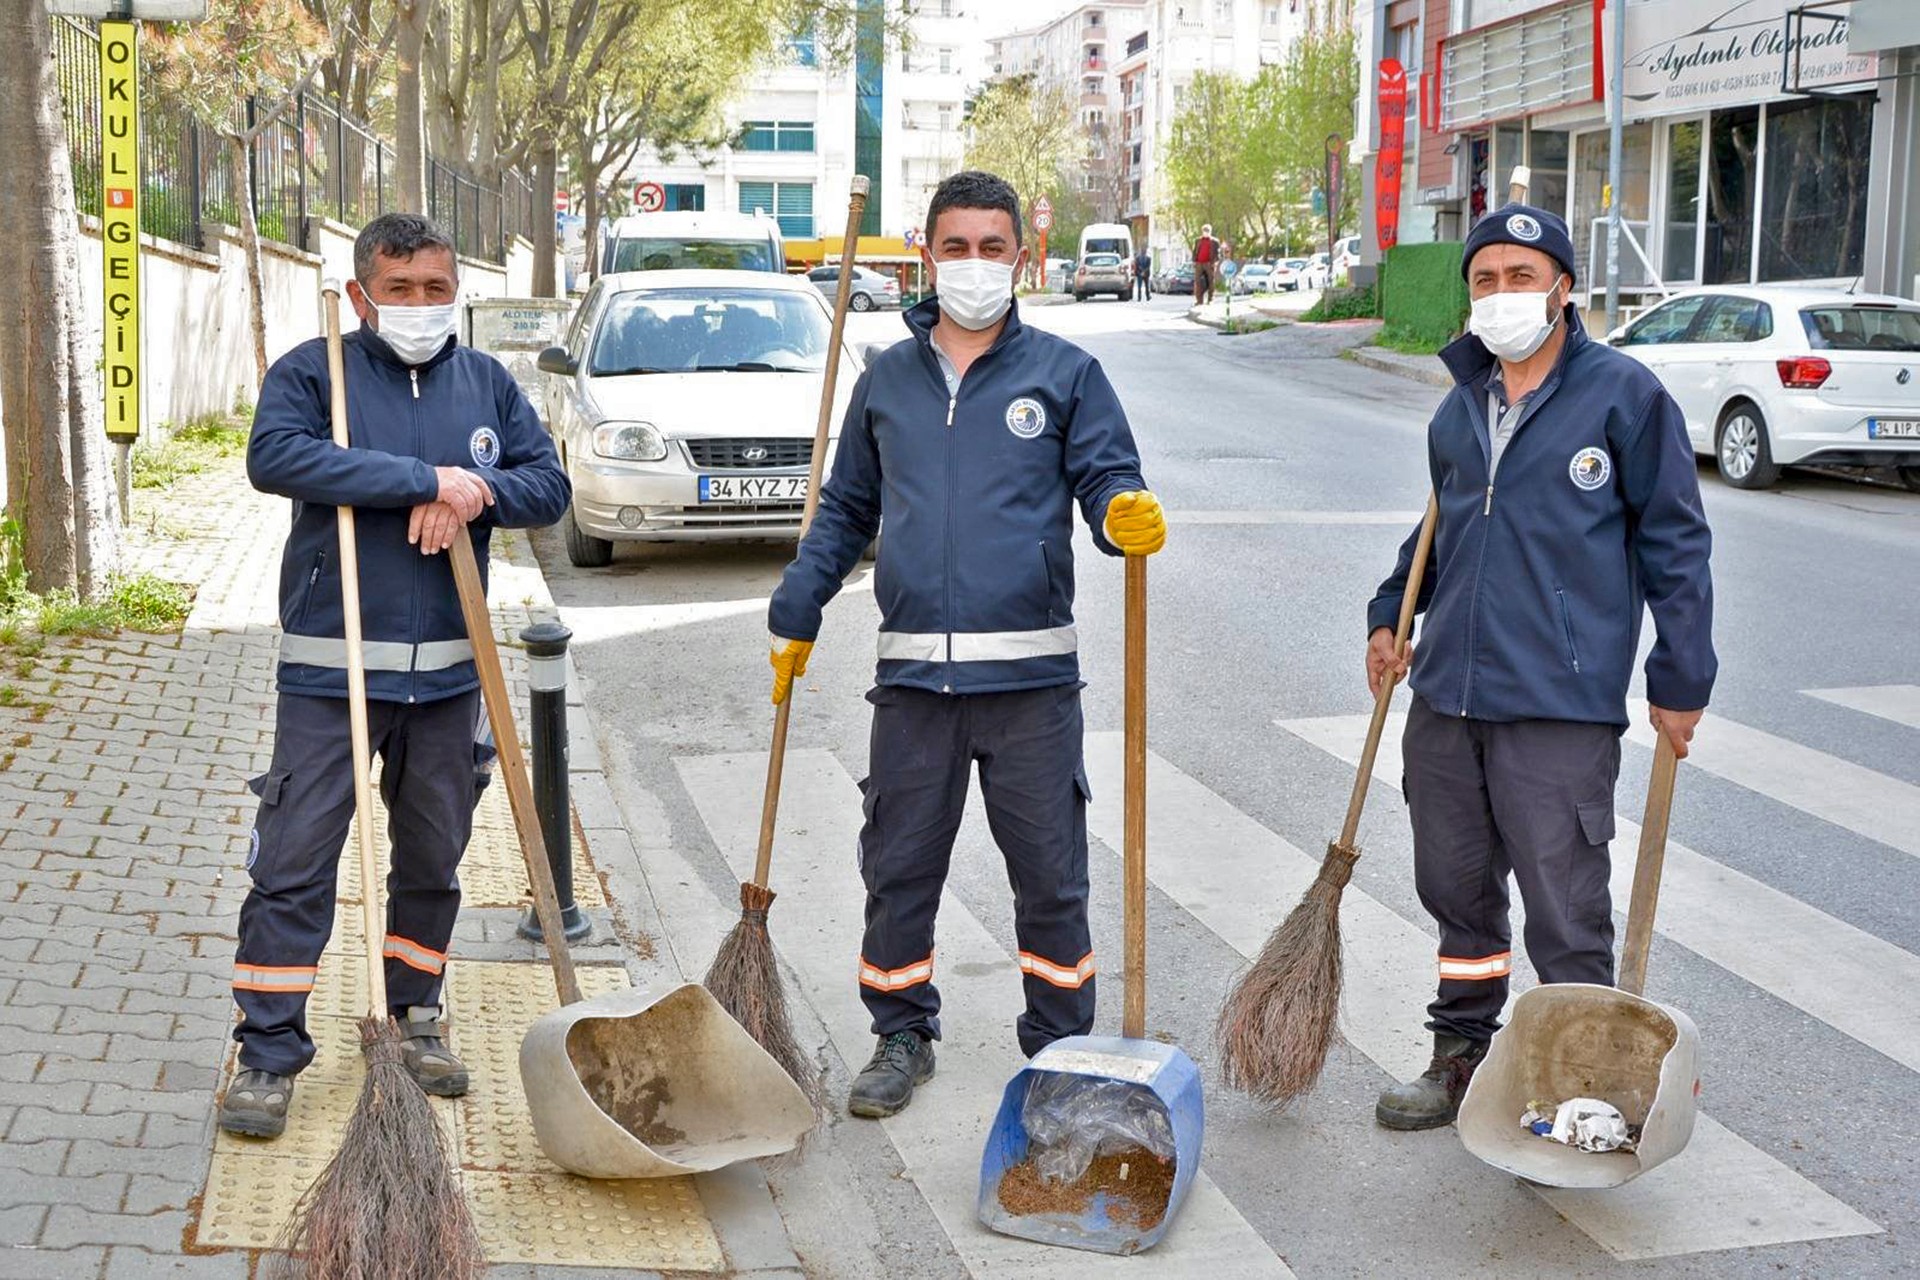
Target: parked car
1346,255
677,241
1103,273
1319,273
683,405
1060,275
872,290
1254,277
1771,376
1178,280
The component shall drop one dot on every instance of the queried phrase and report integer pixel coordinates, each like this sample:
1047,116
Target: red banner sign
1390,160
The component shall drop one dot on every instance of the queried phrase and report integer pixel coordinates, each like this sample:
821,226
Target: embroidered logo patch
1025,418
483,446
253,847
1590,468
1523,227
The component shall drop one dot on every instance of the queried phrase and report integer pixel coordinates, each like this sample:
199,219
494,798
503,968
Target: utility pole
1616,113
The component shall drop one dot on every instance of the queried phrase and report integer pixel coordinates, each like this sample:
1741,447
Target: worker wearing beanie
1569,504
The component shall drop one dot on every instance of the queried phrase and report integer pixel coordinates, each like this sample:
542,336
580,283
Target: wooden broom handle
513,764
777,753
1647,869
1133,1013
1409,599
371,922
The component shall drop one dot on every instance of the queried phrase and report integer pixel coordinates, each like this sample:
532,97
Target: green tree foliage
1029,134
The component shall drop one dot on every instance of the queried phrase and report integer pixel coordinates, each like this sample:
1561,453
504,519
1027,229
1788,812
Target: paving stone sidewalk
123,827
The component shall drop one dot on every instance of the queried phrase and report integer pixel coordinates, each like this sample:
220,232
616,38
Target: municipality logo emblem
1522,227
1590,468
1025,418
253,847
484,446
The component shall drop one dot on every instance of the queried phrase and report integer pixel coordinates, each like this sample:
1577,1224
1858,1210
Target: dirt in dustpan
1137,1183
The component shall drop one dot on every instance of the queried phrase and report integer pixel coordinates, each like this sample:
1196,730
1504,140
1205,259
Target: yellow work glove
1136,524
789,659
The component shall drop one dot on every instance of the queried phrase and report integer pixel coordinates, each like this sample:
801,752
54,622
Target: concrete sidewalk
124,817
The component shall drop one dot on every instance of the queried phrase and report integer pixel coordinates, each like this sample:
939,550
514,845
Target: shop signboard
1683,57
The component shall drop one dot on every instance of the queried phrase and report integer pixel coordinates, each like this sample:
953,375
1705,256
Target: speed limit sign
1042,214
649,197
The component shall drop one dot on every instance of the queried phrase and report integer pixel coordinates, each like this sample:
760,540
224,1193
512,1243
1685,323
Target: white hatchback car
1773,375
684,404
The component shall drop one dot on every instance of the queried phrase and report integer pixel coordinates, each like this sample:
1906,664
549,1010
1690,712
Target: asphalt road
1790,929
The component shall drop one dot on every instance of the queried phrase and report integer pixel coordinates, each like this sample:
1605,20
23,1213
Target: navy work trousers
429,781
1027,746
1530,798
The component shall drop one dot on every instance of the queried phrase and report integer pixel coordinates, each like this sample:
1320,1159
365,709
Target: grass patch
61,613
1258,324
142,602
194,445
1394,338
1343,304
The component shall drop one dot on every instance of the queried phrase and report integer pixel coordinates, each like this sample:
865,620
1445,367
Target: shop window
1589,183
1733,169
1681,260
686,197
1814,219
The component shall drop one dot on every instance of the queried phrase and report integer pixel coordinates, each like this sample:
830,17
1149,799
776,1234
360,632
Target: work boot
1434,1099
256,1104
426,1057
900,1061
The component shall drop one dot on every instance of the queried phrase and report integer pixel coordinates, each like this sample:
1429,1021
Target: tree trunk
590,209
48,381
409,119
239,154
546,161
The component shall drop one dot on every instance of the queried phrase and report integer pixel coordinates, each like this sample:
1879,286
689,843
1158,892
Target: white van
1108,237
694,241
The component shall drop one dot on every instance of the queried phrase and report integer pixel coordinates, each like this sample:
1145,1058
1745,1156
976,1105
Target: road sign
1042,214
561,200
649,197
120,225
914,238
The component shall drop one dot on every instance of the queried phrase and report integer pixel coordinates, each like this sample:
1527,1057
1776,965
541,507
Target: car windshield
1294,264
704,330
676,253
1103,259
1258,269
1861,328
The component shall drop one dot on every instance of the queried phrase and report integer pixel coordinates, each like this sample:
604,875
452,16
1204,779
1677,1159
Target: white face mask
974,292
1514,325
416,334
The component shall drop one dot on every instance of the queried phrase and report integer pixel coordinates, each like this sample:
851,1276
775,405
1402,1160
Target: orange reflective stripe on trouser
274,979
1071,979
911,975
1457,969
413,955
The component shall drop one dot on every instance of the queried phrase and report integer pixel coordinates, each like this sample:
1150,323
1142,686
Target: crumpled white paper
1586,1123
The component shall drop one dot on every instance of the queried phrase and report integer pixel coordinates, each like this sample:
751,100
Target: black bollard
546,644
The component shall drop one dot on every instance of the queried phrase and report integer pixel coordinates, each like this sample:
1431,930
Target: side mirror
1618,338
868,350
556,360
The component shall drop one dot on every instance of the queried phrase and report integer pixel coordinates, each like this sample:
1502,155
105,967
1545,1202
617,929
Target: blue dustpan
1162,1071
1166,1079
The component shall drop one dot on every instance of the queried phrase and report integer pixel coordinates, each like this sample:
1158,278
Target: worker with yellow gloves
973,438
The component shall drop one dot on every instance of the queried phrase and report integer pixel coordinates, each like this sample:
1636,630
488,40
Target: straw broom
389,1203
1277,1022
745,975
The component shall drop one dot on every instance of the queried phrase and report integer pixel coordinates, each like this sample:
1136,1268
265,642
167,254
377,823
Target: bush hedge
1423,297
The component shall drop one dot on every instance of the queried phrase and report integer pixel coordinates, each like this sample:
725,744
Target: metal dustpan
1133,1106
652,1083
642,1083
1575,1040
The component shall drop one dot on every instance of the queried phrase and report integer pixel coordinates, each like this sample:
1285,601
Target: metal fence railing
314,160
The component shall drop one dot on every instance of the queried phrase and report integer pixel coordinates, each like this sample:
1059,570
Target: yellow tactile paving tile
658,1224
528,1211
493,873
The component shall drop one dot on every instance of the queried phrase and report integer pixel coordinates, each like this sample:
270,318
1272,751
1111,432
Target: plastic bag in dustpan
1095,1145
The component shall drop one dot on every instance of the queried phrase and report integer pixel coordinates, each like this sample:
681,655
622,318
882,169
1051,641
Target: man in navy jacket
973,438
1569,503
443,446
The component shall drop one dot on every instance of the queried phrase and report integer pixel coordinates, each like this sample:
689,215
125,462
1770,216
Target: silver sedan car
684,404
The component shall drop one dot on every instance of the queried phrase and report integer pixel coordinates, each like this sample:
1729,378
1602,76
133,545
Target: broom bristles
745,979
1278,1021
389,1203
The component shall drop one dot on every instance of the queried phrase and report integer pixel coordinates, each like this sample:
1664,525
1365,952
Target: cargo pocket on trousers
1596,821
268,786
869,811
1081,784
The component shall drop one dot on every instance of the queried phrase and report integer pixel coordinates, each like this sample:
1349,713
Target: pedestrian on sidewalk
1142,276
1206,258
1569,502
972,440
444,445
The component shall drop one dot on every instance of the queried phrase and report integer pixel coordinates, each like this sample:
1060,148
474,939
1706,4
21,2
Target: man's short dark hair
395,235
974,189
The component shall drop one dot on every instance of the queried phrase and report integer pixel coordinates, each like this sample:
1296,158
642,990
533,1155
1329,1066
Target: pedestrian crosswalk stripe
1899,703
1856,983
1835,790
1250,877
940,1137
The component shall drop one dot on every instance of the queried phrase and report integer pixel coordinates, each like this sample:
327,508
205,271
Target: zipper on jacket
419,562
313,584
952,401
1473,617
414,374
1488,509
1566,620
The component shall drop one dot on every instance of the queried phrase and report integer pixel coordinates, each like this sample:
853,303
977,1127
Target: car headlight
629,441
